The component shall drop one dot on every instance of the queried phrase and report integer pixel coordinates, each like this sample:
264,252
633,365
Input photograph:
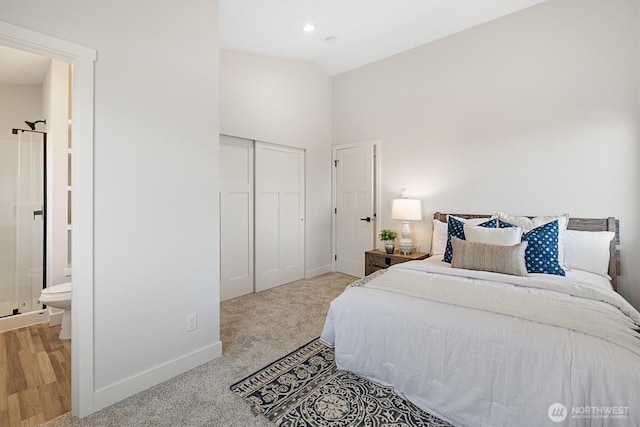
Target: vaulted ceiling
349,33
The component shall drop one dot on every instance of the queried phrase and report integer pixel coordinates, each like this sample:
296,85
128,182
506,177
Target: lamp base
405,246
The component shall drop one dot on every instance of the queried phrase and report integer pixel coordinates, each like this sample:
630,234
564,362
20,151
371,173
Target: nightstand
377,259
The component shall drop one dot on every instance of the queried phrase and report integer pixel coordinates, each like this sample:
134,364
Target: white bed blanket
486,349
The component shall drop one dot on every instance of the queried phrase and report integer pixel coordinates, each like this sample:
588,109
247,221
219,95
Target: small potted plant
387,237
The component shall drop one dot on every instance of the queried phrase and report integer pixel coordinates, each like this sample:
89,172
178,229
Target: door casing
82,202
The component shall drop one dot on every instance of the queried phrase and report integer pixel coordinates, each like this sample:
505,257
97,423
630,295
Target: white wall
17,104
55,107
533,113
156,129
286,102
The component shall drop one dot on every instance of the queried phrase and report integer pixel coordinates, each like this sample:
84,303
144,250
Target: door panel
354,201
290,250
279,178
236,217
268,232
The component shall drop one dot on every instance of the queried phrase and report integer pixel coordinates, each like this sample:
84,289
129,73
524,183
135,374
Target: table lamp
406,210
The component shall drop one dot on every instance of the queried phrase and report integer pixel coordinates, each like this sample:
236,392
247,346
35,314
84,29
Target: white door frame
377,192
82,60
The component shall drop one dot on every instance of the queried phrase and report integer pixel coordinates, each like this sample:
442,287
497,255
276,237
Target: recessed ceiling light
308,28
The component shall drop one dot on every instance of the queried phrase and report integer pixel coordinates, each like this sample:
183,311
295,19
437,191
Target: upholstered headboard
580,224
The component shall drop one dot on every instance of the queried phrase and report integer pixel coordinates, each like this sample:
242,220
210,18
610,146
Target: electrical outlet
192,322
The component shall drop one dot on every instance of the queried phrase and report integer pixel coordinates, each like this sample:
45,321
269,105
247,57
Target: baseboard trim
55,316
128,387
318,271
22,320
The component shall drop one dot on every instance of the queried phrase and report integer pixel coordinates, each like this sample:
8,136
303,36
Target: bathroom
35,214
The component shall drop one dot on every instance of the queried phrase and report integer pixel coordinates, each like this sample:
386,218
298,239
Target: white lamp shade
406,209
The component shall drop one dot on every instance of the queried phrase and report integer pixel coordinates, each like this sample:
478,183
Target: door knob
368,219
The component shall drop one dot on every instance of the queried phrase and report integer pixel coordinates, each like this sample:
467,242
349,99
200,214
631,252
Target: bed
485,348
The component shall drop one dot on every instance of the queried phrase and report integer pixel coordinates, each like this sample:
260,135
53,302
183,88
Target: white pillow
474,221
440,233
493,236
439,237
529,224
588,250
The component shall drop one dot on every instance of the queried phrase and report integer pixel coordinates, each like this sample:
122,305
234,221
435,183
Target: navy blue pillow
455,228
541,255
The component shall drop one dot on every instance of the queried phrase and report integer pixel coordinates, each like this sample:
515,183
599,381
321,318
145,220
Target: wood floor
35,375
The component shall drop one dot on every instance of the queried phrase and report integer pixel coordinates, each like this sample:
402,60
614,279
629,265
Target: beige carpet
255,330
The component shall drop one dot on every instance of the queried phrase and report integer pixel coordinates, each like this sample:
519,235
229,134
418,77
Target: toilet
59,296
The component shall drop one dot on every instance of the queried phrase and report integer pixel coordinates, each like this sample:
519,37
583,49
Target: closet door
279,218
236,217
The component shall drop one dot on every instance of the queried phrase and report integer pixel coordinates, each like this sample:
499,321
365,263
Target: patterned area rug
304,388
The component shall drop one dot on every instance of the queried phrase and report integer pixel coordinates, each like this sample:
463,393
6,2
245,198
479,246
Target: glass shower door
21,222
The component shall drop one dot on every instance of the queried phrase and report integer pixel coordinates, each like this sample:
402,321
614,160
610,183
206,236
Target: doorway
82,59
356,203
35,183
35,190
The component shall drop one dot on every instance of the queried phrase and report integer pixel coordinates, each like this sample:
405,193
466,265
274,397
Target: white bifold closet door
261,216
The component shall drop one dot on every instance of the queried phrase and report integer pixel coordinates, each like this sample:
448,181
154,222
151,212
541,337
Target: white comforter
487,349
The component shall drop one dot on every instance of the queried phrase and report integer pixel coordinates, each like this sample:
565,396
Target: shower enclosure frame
43,212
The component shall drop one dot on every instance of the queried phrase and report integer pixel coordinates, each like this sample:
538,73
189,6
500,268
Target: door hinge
335,210
335,163
335,257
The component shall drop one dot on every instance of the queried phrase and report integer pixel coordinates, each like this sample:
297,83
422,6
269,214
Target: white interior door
354,204
279,220
236,217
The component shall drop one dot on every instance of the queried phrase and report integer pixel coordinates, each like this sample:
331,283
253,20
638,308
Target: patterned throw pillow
541,255
456,229
529,223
